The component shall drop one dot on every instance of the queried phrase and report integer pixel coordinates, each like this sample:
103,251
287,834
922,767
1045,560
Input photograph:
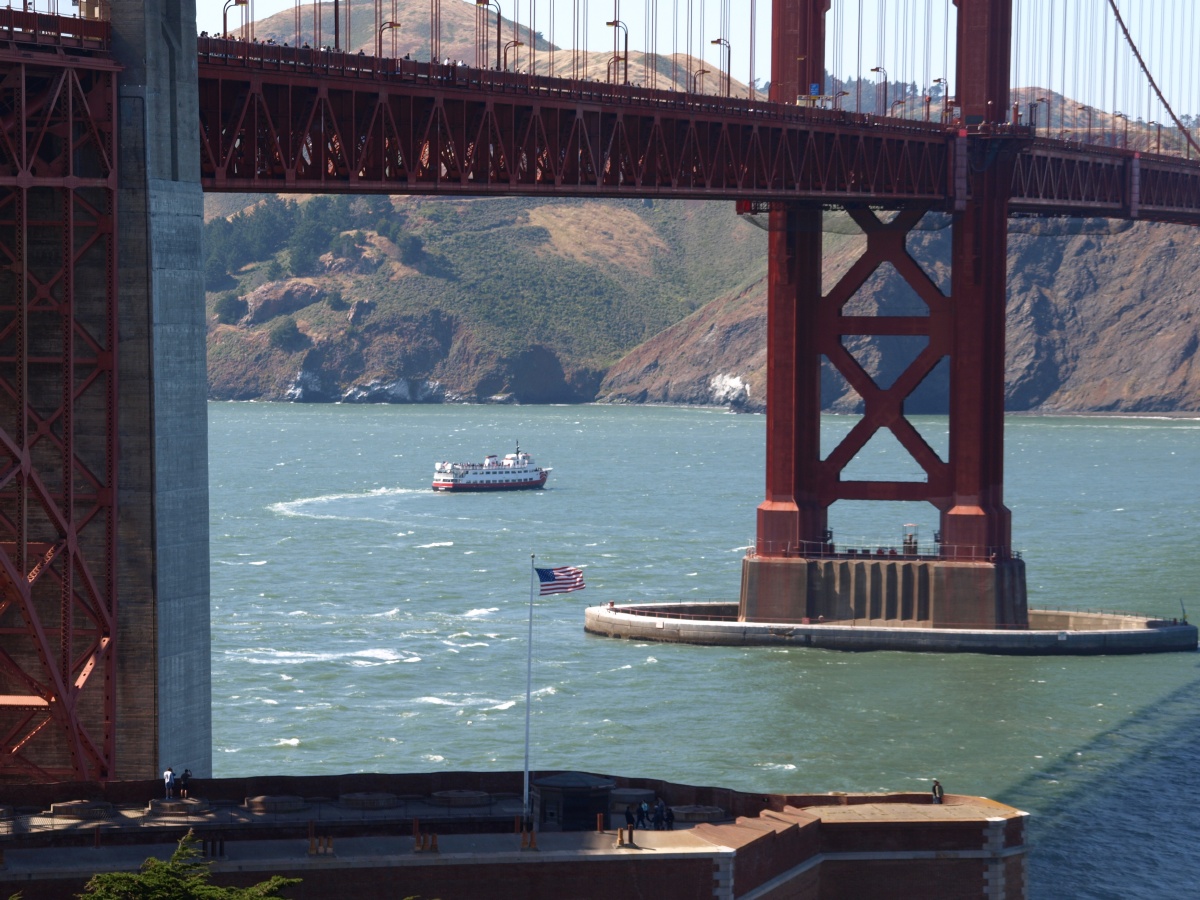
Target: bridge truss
58,399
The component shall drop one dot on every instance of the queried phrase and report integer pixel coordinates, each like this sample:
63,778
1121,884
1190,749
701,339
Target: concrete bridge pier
163,685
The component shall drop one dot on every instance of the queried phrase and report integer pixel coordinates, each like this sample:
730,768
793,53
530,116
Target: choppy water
363,623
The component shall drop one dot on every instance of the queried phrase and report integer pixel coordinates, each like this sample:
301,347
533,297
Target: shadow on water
1121,810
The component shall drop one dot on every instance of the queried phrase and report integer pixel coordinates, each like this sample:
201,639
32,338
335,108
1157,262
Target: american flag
561,580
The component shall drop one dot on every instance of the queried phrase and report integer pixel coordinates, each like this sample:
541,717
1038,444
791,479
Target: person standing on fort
169,782
183,783
629,816
936,791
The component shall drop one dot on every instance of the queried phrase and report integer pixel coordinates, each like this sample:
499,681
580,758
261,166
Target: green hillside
456,291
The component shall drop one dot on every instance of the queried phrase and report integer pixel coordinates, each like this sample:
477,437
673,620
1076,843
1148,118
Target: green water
363,623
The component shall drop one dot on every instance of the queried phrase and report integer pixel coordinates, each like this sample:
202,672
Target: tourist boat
513,473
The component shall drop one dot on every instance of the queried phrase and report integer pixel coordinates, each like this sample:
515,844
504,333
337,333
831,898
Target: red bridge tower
970,577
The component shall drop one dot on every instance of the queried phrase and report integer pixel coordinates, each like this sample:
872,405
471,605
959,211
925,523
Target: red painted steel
793,511
965,329
291,119
287,119
58,402
1057,178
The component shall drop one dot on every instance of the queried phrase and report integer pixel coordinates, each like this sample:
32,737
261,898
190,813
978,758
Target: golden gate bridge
109,129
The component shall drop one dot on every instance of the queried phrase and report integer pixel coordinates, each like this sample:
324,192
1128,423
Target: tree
229,308
286,336
185,876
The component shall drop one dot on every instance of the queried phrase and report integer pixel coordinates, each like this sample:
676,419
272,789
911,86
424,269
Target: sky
1071,47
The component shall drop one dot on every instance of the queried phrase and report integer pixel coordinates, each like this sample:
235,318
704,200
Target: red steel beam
58,402
289,119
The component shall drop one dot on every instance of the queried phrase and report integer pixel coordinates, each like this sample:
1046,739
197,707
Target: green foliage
273,270
229,308
336,300
216,273
493,267
411,248
185,876
246,237
286,336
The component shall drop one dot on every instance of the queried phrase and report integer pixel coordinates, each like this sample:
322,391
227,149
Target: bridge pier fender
885,591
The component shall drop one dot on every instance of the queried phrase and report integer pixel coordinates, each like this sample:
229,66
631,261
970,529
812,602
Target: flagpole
533,580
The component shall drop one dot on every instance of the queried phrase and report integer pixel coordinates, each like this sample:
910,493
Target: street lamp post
1125,138
496,4
895,103
617,23
1047,104
880,70
379,38
837,98
728,54
1158,137
507,46
700,73
225,14
1088,110
929,96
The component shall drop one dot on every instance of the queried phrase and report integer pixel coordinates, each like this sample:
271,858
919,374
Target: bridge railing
313,61
46,29
863,551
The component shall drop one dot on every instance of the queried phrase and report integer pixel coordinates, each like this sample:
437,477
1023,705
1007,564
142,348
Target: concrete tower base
885,590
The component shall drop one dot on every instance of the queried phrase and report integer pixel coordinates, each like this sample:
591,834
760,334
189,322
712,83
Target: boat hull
455,487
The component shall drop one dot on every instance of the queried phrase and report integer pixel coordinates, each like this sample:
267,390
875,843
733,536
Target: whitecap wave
435,544
380,654
288,742
476,613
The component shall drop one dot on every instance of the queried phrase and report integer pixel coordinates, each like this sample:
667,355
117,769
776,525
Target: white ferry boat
513,473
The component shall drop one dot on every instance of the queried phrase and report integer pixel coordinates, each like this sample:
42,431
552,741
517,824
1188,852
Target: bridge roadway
293,119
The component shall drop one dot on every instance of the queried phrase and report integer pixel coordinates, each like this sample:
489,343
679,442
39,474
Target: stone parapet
718,624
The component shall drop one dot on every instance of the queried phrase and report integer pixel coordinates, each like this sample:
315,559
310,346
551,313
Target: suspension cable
1146,71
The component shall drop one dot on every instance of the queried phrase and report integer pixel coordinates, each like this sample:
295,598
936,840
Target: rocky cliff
1101,317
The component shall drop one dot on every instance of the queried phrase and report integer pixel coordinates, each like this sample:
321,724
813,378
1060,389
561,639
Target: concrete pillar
163,690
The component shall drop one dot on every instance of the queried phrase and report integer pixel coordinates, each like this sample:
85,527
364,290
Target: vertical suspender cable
1050,72
675,47
688,57
858,74
753,28
880,48
1019,78
928,37
951,70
